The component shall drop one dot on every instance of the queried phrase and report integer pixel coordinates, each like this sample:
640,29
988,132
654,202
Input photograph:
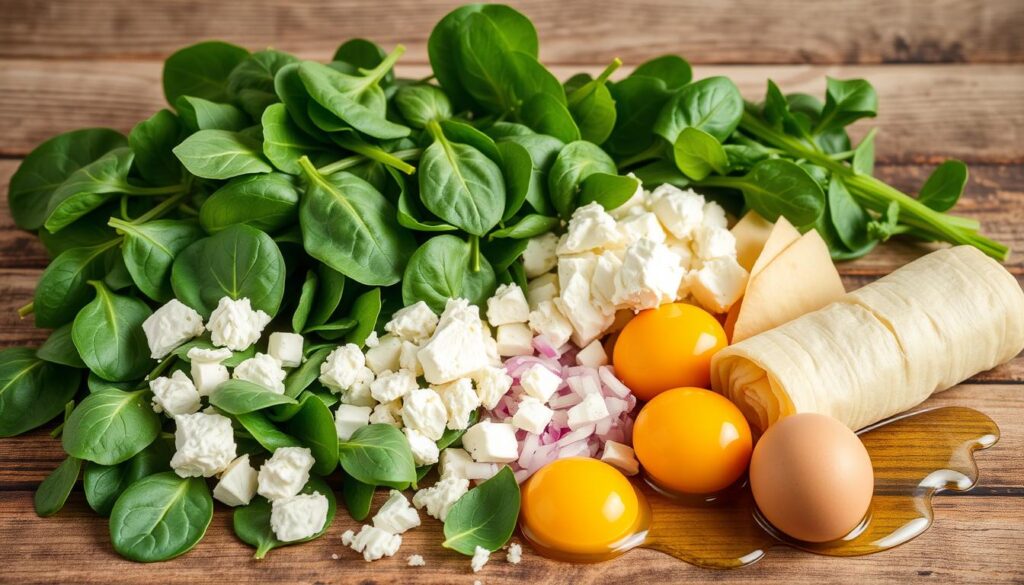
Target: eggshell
812,477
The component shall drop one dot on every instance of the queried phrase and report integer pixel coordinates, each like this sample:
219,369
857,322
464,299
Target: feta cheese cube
424,451
237,484
385,356
396,515
719,284
388,413
602,282
423,410
204,444
540,382
457,348
208,376
590,411
375,543
285,473
347,537
174,395
264,370
480,557
532,416
714,242
298,517
453,463
515,553
409,359
548,320
372,340
491,384
490,442
540,289
235,325
590,228
415,561
170,326
650,276
588,320
539,256
439,498
508,305
460,401
349,418
641,226
621,457
343,368
714,216
208,356
286,348
359,393
514,339
593,355
681,212
414,323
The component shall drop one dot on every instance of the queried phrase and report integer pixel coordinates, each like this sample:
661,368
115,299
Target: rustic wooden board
927,112
572,31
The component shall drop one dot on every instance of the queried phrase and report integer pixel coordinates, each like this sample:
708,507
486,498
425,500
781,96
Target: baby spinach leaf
88,188
777,187
440,269
330,288
252,522
545,114
713,105
60,349
240,397
378,455
32,391
849,219
358,497
661,172
109,337
110,426
49,165
290,89
103,484
485,516
527,227
743,156
845,102
306,296
366,311
543,151
349,226
454,436
201,70
55,489
160,517
456,131
576,161
610,191
199,114
502,253
357,100
301,377
152,141
517,168
361,54
313,426
864,156
265,433
333,330
592,105
90,230
239,261
410,212
284,142
266,202
251,82
149,250
220,154
638,103
698,154
944,186
420,104
673,70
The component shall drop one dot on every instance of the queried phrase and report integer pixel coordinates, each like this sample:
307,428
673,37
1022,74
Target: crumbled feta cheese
602,283
347,537
547,320
208,377
439,498
285,473
264,370
649,277
208,356
343,368
359,393
237,484
514,339
349,418
621,457
641,226
424,411
204,444
539,256
588,320
334,556
286,348
235,325
174,395
714,242
719,284
508,305
540,382
540,289
590,411
589,228
457,348
683,250
635,205
396,515
460,401
170,326
490,442
424,450
532,416
714,216
385,356
414,323
415,561
480,557
681,212
372,340
409,359
515,553
593,355
453,462
393,385
491,384
388,413
375,543
298,517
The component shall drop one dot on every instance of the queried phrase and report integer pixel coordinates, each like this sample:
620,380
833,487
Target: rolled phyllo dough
882,349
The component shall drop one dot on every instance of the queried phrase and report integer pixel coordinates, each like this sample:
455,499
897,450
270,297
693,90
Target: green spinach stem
474,253
160,209
354,161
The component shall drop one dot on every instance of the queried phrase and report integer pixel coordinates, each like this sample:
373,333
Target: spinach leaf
49,165
160,517
55,489
88,188
366,311
661,172
313,426
420,104
349,226
239,261
306,296
698,154
32,391
103,484
240,397
109,337
149,250
639,101
410,212
543,151
673,70
110,426
456,131
265,433
441,269
252,522
944,186
849,219
713,105
454,436
864,156
251,82
220,154
845,102
545,114
517,168
284,142
357,100
577,161
266,202
378,455
90,230
330,288
292,92
502,253
610,191
358,54
333,330
777,187
485,516
358,497
301,377
199,114
593,107
201,70
528,227
60,349
152,141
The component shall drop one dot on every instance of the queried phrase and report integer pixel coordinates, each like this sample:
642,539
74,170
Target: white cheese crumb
237,484
593,355
491,384
714,242
681,212
532,416
350,418
649,277
549,321
204,443
514,339
539,256
386,356
347,537
298,517
285,473
589,228
416,561
334,556
396,515
424,450
592,410
414,323
459,345
719,284
490,442
372,340
540,382
440,497
170,326
480,558
263,370
208,356
235,325
208,376
388,413
508,305
286,348
424,411
515,553
174,395
540,289
621,457
460,401
375,543
345,367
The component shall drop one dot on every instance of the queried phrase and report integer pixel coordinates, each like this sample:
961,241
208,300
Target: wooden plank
571,31
928,113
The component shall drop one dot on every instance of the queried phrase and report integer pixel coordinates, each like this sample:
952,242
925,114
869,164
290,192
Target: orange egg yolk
667,347
583,510
692,441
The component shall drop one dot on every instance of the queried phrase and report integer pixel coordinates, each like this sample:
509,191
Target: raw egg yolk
583,510
667,347
692,441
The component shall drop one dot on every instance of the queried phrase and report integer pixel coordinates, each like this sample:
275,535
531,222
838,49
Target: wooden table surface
950,79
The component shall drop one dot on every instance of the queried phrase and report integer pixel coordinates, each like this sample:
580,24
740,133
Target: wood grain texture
571,31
